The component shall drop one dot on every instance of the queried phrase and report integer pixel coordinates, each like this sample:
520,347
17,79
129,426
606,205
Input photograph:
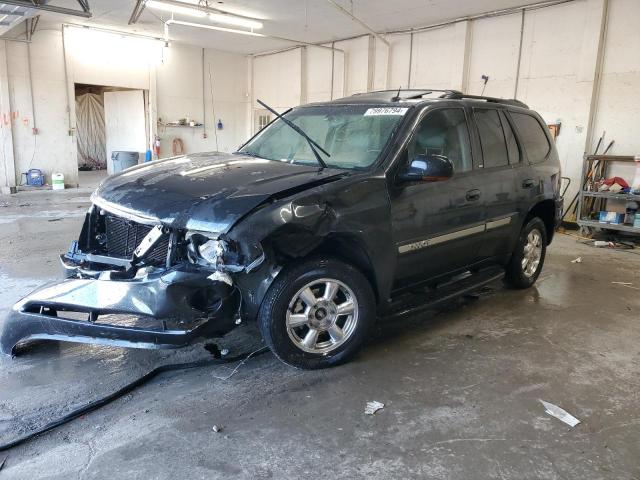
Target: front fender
355,211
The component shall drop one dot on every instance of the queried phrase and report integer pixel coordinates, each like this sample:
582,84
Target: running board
412,303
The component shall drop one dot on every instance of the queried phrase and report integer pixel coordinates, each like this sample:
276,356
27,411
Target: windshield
353,135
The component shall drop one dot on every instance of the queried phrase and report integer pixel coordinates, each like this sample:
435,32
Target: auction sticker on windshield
385,111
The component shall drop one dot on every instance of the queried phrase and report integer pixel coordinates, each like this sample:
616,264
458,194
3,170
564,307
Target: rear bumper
559,203
186,298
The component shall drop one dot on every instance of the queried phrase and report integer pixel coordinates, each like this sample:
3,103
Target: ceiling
304,20
11,15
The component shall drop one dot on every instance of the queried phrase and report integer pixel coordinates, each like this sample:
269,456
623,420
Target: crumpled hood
207,192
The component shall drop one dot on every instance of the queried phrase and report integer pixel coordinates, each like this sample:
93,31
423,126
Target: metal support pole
357,20
410,60
515,89
49,8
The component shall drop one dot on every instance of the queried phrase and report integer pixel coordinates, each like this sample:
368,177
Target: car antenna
313,145
397,97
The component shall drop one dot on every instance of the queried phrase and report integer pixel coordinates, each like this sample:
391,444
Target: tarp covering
91,138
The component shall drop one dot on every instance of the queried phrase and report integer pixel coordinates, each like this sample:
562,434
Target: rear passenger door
535,148
499,161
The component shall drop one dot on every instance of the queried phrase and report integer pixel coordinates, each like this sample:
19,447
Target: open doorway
108,119
90,134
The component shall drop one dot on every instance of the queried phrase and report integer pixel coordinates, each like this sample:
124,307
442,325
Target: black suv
332,215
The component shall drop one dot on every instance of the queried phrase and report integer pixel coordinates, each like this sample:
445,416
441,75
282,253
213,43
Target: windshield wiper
248,154
313,145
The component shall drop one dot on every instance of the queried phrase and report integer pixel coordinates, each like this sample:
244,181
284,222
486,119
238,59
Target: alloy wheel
322,316
532,253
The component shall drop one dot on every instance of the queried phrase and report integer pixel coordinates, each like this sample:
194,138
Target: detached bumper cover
172,296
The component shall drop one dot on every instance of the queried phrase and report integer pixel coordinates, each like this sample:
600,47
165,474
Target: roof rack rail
414,93
417,93
454,94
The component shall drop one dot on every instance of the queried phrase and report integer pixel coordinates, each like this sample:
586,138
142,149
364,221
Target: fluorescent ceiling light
234,20
202,12
172,8
213,27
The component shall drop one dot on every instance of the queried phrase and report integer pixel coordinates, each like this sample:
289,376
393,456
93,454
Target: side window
512,144
532,136
444,132
494,148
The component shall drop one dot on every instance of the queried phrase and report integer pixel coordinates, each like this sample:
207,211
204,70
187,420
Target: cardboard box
611,218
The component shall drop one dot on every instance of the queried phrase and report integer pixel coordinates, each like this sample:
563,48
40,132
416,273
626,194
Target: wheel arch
545,210
293,244
348,249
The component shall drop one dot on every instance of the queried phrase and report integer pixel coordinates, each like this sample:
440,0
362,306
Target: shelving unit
590,203
617,196
177,125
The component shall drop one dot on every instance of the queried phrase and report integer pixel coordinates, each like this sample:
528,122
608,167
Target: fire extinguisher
156,147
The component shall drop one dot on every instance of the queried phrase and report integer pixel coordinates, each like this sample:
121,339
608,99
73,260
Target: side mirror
427,168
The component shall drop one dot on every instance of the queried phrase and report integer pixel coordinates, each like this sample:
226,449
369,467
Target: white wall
558,61
438,57
356,64
7,167
307,74
380,65
399,59
53,149
179,82
125,124
558,67
557,71
173,77
100,58
618,108
318,73
277,79
494,47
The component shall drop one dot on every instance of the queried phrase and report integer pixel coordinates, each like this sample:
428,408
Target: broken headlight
211,251
221,254
204,250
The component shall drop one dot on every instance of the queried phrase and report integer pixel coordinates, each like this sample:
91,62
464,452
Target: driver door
438,226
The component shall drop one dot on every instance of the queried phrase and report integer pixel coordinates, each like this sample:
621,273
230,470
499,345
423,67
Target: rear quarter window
532,137
492,141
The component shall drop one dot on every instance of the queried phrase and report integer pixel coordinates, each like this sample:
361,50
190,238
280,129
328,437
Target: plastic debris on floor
577,260
625,284
373,407
560,414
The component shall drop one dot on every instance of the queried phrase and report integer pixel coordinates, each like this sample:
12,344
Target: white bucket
57,181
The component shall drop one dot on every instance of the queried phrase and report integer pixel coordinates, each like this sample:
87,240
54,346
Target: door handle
528,183
473,195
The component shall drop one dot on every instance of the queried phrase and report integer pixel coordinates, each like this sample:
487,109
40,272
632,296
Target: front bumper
176,307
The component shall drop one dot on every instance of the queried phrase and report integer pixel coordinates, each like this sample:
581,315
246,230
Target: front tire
317,314
528,257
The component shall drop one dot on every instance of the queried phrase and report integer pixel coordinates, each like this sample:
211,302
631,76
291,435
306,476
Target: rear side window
512,144
532,136
494,148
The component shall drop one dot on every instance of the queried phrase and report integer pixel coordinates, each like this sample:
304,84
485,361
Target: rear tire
528,257
317,314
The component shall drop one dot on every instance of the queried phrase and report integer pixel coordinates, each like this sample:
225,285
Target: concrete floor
461,386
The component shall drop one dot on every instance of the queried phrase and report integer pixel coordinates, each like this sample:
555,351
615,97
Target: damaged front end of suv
189,247
157,263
